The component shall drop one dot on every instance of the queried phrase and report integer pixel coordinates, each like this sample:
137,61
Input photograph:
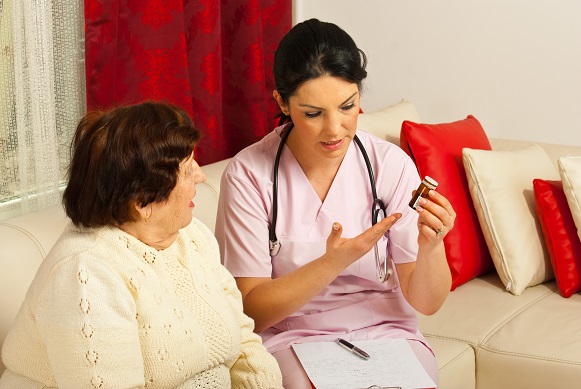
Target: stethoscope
377,209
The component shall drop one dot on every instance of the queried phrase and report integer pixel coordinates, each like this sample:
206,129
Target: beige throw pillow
386,123
570,171
501,187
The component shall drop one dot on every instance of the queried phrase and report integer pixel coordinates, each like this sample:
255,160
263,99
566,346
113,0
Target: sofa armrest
24,241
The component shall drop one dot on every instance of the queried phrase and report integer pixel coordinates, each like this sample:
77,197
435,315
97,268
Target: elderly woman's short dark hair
124,156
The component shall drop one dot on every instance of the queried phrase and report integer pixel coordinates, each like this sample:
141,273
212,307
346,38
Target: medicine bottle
425,186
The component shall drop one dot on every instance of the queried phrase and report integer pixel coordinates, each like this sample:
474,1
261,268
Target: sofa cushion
437,151
386,123
538,347
563,244
501,187
456,362
570,171
477,309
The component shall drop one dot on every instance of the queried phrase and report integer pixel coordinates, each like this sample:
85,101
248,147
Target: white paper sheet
392,362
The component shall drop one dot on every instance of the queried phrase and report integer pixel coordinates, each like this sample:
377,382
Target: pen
351,347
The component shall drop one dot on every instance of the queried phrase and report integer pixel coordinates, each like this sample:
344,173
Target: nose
201,176
333,124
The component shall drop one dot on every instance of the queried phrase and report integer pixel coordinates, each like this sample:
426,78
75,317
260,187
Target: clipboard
372,387
392,363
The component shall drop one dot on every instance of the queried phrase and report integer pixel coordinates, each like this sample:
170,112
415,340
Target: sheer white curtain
42,97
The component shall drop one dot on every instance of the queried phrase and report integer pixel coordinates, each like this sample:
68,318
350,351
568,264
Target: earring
285,113
147,217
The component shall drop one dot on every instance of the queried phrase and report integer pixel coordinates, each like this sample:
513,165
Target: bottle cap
431,182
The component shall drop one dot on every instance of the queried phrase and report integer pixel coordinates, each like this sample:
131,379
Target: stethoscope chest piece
274,246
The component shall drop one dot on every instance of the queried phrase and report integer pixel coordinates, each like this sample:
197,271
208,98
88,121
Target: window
42,97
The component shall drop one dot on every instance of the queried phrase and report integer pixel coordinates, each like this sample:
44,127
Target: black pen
351,347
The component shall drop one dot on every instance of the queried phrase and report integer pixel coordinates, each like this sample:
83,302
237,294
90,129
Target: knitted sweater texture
107,311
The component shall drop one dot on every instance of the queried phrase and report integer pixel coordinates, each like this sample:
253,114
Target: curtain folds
42,97
213,58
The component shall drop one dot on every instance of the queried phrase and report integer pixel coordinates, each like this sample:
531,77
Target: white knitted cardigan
107,311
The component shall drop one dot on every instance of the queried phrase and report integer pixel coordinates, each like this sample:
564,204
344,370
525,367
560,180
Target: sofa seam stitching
530,356
457,357
513,315
469,343
212,187
477,347
492,331
483,346
29,235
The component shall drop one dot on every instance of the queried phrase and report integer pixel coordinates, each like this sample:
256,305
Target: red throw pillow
437,151
560,233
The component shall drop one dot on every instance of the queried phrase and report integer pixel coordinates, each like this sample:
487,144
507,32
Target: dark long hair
312,49
127,155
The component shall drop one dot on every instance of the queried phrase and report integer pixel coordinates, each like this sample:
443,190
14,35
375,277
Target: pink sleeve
242,224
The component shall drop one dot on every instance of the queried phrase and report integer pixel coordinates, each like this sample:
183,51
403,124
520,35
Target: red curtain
211,57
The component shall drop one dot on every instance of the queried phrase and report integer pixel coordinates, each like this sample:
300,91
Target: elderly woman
133,294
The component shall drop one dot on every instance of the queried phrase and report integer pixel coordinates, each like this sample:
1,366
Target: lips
333,142
332,145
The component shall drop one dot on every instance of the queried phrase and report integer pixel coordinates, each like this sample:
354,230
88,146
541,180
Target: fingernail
336,226
419,209
397,216
431,192
423,201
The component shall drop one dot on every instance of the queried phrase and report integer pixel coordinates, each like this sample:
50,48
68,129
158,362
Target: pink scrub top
355,305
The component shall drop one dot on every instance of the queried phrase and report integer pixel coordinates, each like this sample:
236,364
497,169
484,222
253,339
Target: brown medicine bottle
425,186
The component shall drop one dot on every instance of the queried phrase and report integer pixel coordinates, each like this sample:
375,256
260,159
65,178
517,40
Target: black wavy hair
312,49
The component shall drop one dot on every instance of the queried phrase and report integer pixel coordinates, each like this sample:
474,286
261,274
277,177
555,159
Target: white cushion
501,187
570,171
386,123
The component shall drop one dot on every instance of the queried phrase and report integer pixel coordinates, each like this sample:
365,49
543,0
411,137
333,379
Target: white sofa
483,336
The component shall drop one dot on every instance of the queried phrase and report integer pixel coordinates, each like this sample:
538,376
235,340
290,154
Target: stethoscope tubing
378,205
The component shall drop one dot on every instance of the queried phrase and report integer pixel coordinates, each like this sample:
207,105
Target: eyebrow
315,107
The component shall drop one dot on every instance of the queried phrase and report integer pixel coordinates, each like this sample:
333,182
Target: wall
514,64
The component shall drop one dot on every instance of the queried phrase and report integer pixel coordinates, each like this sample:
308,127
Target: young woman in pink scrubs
323,282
